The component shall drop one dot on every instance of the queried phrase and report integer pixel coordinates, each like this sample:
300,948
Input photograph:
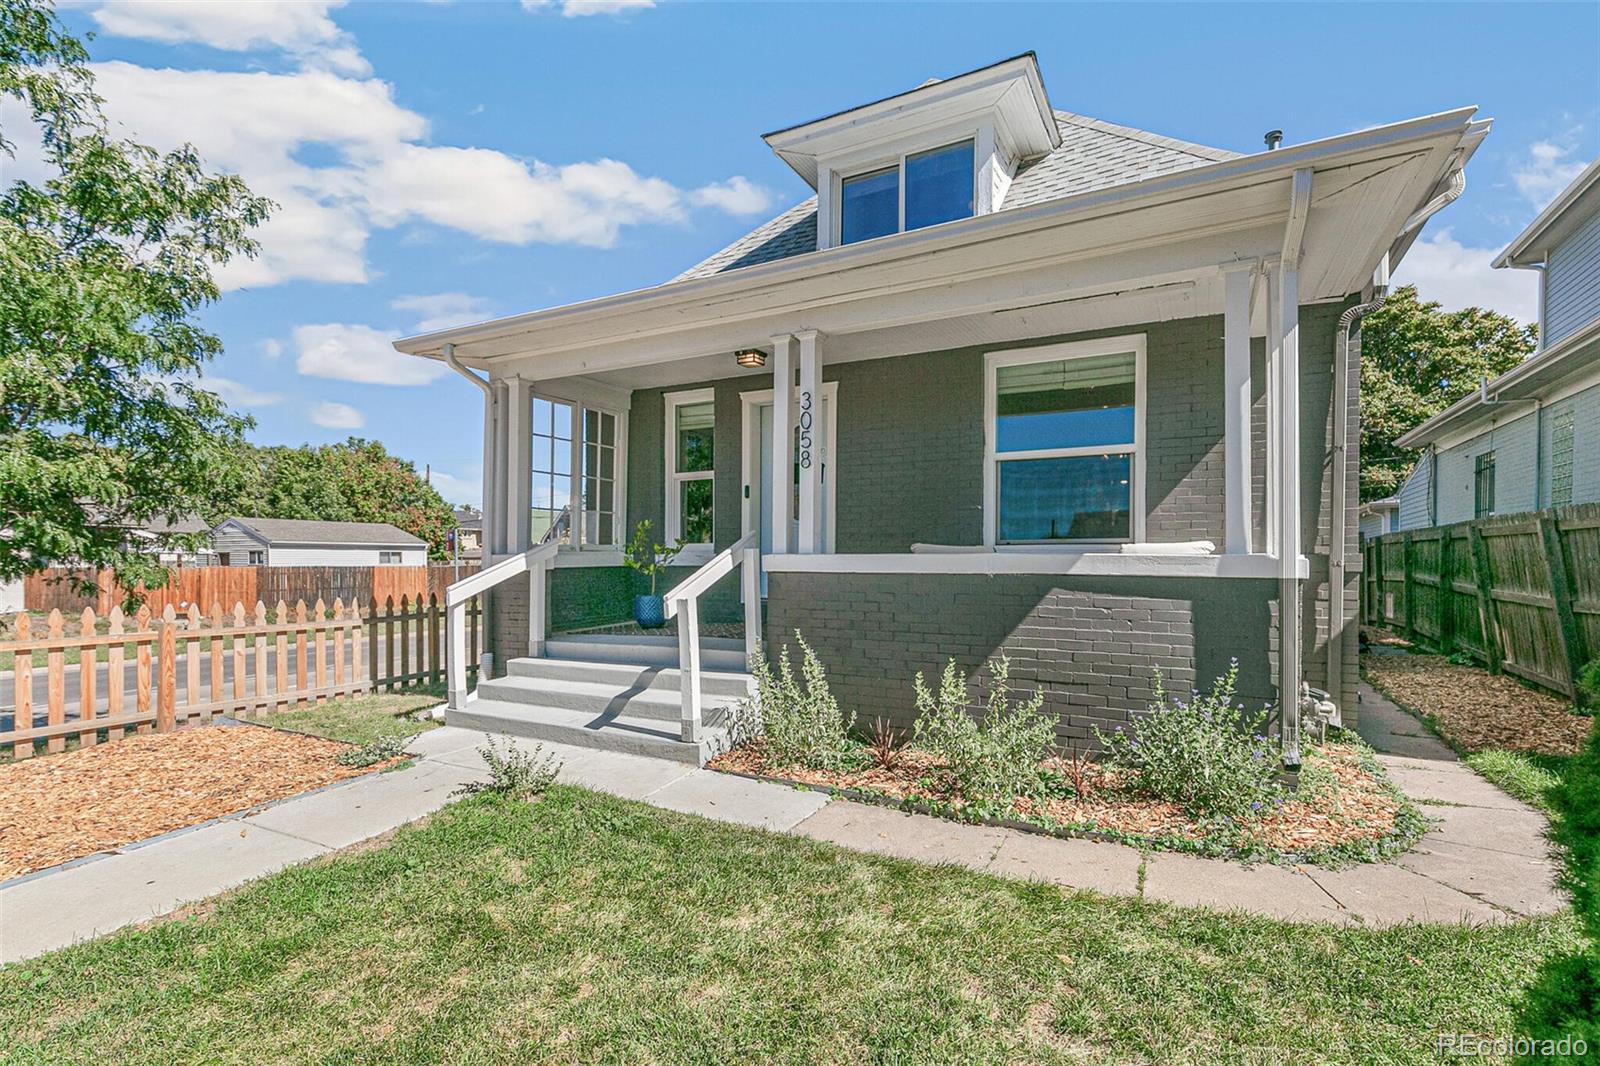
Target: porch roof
1165,237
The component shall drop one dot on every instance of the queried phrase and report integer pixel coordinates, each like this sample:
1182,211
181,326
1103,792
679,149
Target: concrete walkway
1485,859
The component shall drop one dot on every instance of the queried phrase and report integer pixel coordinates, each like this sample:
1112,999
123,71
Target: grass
586,928
362,719
1529,776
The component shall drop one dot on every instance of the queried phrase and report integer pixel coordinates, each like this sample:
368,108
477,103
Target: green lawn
585,928
362,719
1529,776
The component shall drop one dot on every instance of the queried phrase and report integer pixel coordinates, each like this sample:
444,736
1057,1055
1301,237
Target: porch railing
536,564
683,603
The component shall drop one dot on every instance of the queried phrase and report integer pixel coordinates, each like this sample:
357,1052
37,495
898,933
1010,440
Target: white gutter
491,475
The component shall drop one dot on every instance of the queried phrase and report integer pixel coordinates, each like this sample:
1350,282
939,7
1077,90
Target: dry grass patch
1477,711
63,807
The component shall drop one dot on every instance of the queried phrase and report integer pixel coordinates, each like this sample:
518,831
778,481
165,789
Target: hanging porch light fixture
750,358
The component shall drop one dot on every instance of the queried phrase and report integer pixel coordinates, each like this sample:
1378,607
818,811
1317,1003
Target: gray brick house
1013,381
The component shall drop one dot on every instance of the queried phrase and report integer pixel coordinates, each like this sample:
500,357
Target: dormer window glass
922,189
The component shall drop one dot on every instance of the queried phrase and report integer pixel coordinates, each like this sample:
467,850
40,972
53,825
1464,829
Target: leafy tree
1416,360
103,266
357,481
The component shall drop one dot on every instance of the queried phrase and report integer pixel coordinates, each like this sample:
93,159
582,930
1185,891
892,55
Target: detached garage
297,542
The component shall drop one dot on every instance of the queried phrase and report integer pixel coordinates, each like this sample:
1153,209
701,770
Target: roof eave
1524,250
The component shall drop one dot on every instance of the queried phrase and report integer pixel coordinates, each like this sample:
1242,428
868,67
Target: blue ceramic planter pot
649,612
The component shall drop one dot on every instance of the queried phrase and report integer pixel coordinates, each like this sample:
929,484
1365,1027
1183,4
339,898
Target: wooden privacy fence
164,670
62,588
1519,593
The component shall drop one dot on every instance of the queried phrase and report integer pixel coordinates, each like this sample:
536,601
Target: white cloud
330,415
1546,173
341,158
272,349
459,490
1457,276
441,310
238,394
359,353
302,29
737,196
580,8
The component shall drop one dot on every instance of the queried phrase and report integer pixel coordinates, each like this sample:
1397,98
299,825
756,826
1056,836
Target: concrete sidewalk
1485,859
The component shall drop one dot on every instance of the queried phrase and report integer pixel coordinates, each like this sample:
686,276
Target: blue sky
446,162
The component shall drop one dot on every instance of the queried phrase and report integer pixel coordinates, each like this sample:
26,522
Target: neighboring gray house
1014,381
1529,439
299,542
1379,517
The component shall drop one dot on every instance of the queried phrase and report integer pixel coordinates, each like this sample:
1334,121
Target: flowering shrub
995,757
1206,754
798,718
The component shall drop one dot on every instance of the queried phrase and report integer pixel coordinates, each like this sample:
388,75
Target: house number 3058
805,429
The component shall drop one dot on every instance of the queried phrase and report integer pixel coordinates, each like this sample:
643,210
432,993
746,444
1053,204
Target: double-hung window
1064,437
691,422
388,558
921,189
575,464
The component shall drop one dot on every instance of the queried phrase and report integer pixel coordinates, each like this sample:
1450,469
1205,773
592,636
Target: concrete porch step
629,675
626,734
602,698
716,653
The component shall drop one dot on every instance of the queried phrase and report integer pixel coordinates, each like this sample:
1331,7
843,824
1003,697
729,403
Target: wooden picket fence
407,641
1519,593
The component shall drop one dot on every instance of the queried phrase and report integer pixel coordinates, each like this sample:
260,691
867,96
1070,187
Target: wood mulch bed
56,808
1342,806
1475,710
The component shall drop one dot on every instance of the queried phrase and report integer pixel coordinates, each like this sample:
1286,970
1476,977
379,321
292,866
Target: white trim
749,458
1076,563
568,557
672,401
992,361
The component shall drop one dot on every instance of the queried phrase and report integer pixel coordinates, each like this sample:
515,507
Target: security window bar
1483,486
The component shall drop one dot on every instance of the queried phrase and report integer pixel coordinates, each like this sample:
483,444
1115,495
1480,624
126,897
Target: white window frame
673,401
898,162
399,557
992,362
575,464
252,560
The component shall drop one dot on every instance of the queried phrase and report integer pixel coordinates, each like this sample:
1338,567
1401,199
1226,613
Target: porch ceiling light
750,358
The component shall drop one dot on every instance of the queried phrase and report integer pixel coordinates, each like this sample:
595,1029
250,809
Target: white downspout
490,418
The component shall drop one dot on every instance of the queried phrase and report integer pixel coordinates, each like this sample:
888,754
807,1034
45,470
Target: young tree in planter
649,558
1416,360
104,263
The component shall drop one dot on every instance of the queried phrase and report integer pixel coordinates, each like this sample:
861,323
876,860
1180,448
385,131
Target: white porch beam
1237,282
809,457
782,489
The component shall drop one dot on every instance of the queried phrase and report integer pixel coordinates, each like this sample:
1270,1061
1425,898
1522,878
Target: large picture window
922,189
1063,443
691,422
574,465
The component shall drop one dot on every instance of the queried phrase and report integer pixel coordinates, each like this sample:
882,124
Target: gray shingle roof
1093,155
303,531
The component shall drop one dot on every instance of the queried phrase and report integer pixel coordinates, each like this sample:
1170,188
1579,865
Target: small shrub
514,774
798,718
1589,684
993,757
884,744
380,749
1205,753
1075,766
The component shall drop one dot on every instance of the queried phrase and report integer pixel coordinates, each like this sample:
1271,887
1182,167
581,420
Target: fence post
22,713
167,685
1555,559
1488,621
1443,593
689,668
752,603
455,660
1407,586
88,670
55,684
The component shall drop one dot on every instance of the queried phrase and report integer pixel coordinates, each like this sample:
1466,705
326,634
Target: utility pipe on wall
490,418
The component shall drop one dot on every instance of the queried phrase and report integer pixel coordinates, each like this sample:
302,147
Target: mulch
56,808
1358,809
1475,710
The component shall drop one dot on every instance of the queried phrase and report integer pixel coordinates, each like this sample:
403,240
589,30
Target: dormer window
922,189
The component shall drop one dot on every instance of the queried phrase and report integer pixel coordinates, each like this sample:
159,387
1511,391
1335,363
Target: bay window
691,419
917,190
1063,443
576,492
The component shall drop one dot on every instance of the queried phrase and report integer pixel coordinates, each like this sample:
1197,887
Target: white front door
757,466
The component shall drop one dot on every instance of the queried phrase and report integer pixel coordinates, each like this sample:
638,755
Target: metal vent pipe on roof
1273,139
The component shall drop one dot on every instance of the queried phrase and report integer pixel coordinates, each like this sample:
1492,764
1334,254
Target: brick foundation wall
1091,644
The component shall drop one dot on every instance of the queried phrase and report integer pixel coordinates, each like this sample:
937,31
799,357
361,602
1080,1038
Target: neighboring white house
1529,439
1379,517
298,542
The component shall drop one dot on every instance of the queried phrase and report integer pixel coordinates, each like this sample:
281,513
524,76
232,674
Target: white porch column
782,441
499,539
491,441
1273,370
1288,420
809,457
1237,280
519,456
